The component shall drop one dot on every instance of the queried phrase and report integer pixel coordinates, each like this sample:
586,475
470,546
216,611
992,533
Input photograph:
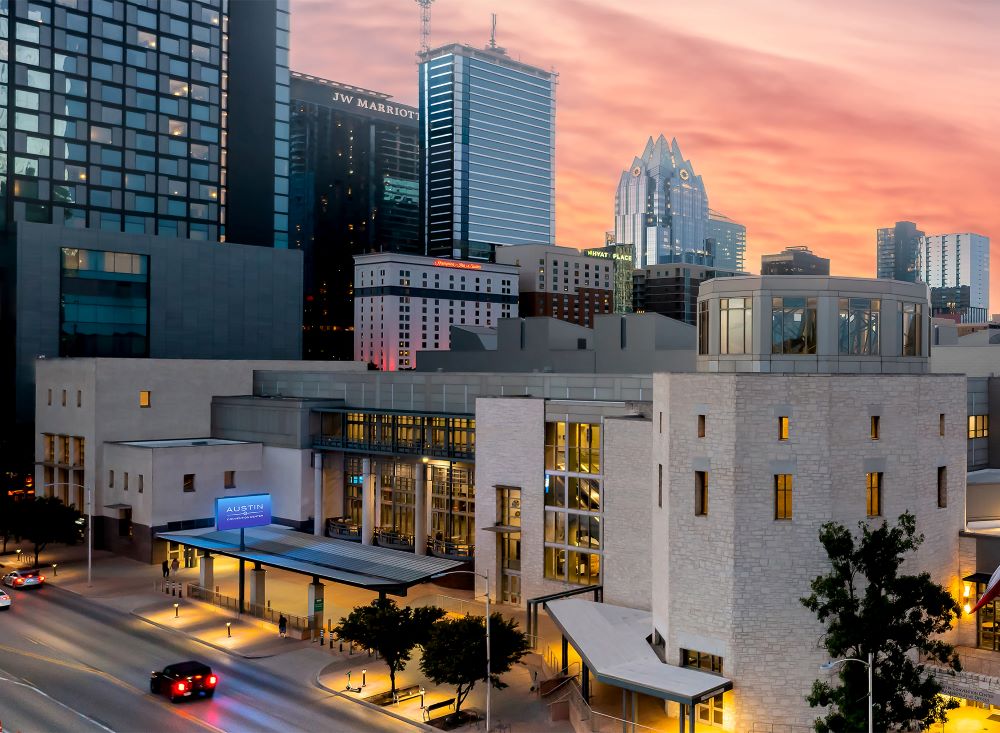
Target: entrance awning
611,640
362,566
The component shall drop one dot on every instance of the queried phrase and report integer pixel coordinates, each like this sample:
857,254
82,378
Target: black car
185,679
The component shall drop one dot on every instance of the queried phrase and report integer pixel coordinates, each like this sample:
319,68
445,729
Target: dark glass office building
898,252
151,121
487,152
354,190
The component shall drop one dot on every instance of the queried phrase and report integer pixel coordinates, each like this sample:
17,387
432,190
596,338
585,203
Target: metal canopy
362,566
611,640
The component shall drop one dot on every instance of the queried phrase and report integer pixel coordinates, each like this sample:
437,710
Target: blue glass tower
487,152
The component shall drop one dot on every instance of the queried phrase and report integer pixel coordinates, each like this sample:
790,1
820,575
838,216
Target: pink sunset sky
811,122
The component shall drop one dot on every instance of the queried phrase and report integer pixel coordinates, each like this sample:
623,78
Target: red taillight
41,578
18,581
180,687
212,680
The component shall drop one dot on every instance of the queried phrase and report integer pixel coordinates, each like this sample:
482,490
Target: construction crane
425,24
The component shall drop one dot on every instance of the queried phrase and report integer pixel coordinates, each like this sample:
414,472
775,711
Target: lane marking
111,678
61,704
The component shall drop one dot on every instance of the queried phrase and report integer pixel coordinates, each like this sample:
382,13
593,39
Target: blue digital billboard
237,512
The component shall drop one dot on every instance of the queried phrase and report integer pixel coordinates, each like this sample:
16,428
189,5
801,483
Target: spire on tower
425,24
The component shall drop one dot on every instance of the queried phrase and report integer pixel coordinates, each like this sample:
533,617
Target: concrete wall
734,577
974,361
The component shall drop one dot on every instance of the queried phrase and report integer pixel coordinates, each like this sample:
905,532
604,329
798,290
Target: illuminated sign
393,110
458,265
237,512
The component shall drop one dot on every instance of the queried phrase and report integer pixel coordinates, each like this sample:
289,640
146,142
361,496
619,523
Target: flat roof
182,442
351,563
612,642
983,476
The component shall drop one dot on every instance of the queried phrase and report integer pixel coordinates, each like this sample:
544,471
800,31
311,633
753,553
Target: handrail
265,613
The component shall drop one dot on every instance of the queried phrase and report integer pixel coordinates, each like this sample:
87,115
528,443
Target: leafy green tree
8,517
869,607
391,630
455,654
47,519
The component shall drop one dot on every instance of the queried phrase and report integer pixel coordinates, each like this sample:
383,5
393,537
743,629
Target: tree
869,607
8,517
455,653
46,519
389,629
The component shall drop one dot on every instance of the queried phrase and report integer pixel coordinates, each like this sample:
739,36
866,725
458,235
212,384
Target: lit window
783,427
144,399
979,426
873,494
783,496
875,427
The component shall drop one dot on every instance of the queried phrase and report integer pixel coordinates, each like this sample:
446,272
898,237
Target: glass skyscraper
729,241
355,190
115,115
661,208
897,252
487,152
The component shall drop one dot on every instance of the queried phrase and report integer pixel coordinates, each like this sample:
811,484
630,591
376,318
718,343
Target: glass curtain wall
793,325
397,499
453,506
573,515
859,326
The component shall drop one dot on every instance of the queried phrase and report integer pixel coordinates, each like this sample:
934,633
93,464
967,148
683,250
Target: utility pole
425,25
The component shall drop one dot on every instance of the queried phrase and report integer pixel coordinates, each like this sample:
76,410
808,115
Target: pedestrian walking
282,625
166,569
175,566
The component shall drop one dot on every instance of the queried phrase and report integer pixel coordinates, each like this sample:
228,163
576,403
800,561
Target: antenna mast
493,32
425,24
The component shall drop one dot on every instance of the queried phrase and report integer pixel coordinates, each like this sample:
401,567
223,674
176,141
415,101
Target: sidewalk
128,586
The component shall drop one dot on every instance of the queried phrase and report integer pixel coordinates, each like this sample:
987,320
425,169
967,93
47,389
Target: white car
4,600
23,579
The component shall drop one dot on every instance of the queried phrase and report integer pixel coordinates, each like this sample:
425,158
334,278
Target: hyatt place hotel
135,136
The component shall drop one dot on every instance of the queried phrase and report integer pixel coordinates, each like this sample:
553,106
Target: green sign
317,605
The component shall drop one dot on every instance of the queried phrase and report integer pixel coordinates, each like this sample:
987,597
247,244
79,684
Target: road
70,664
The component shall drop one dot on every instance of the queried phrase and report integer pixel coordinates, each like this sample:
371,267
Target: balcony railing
395,447
395,540
449,549
343,528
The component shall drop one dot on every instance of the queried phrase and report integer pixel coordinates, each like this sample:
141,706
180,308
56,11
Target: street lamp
177,607
90,523
489,678
870,664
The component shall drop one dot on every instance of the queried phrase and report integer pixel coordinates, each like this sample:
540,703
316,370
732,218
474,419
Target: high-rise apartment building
728,241
953,261
487,152
661,207
354,190
897,252
561,282
794,261
134,137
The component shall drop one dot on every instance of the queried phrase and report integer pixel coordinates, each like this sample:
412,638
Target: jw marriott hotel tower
487,152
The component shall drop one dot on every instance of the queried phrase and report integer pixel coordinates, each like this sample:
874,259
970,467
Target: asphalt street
70,664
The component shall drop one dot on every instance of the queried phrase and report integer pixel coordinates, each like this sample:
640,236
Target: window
941,424
188,482
140,483
230,479
910,318
64,398
701,660
979,426
50,398
942,486
783,427
793,325
111,479
79,398
703,327
873,494
125,481
876,423
144,398
859,326
701,426
735,325
701,493
783,496
659,485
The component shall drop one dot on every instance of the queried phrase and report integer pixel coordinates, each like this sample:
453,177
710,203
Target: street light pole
489,676
870,664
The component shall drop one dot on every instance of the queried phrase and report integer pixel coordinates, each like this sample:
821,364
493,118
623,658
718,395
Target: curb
223,649
376,708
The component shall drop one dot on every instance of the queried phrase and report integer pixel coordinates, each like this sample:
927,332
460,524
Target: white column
420,511
319,521
257,593
368,495
206,572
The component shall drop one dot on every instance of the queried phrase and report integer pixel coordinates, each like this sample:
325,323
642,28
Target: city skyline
836,132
